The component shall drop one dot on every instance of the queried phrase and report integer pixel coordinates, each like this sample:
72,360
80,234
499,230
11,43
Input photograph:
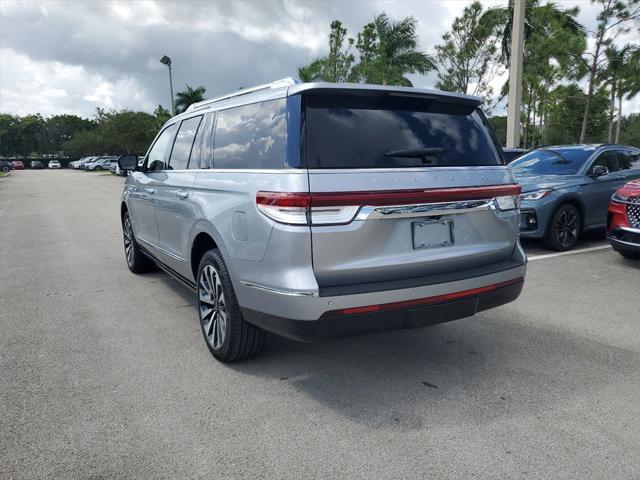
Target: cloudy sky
74,56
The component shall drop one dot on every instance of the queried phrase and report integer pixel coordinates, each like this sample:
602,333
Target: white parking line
571,252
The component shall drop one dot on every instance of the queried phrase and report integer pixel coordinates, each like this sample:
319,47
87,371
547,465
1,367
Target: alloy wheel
213,311
566,230
127,233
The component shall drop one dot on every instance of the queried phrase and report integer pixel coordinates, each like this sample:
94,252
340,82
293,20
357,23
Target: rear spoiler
323,88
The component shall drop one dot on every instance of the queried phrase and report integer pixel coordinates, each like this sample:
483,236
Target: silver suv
317,210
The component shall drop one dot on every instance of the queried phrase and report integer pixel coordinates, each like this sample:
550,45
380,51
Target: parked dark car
510,154
18,165
623,220
5,166
37,165
566,189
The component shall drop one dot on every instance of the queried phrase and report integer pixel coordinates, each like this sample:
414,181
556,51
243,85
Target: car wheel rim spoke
213,312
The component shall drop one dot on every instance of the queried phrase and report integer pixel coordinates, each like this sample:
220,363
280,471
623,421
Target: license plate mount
432,233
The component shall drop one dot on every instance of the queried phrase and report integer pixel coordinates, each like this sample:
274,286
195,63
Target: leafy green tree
387,51
162,115
630,130
499,124
628,81
614,17
552,38
188,96
311,72
117,132
336,66
566,107
468,59
85,143
393,51
59,129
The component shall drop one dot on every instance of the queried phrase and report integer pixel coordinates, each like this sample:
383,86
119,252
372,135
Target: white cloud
70,56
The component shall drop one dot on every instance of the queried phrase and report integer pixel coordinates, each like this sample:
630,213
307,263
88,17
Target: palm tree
311,72
501,19
188,96
613,75
629,80
396,52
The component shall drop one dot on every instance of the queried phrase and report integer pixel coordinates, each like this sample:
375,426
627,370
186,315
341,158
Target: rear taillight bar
447,297
341,207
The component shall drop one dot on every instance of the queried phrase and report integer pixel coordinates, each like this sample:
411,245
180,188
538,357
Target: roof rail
283,82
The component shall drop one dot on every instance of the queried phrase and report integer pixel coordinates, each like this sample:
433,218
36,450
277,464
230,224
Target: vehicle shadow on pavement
495,365
473,370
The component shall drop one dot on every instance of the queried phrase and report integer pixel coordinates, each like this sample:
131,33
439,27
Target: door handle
182,194
150,190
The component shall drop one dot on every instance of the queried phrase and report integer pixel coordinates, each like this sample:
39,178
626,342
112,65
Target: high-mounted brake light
331,208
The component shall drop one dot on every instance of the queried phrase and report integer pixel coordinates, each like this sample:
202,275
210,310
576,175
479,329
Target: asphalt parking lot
104,374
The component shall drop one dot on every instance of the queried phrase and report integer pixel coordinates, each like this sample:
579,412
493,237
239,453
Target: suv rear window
360,131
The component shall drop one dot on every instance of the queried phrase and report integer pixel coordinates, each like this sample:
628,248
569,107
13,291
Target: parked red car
623,220
18,165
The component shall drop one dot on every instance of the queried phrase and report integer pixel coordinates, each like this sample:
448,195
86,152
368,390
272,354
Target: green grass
3,174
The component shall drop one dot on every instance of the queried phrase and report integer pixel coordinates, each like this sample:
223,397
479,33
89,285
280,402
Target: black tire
240,339
136,260
5,169
563,230
98,169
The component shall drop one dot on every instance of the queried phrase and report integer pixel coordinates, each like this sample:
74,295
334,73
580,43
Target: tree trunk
611,107
592,76
619,116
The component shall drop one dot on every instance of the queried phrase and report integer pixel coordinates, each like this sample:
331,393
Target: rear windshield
384,131
550,162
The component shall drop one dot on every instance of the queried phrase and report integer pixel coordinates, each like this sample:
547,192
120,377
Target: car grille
633,212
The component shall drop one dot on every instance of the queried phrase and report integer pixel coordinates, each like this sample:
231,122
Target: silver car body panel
281,269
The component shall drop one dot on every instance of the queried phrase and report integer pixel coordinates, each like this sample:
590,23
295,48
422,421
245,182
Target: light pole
167,61
515,75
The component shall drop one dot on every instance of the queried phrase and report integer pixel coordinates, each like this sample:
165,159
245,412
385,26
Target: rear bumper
408,314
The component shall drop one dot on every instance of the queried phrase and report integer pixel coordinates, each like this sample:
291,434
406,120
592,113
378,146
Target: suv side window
203,145
183,144
609,159
251,136
158,153
629,160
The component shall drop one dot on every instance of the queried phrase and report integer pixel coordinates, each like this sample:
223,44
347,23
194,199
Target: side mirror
128,162
599,171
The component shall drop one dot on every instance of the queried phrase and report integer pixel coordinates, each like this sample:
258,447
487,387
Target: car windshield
550,162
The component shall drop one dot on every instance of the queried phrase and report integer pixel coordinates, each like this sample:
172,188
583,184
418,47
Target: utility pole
167,61
515,75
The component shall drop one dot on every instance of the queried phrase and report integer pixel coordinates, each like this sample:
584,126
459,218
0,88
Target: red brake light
341,207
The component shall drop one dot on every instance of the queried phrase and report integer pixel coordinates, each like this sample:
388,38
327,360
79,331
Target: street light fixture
167,61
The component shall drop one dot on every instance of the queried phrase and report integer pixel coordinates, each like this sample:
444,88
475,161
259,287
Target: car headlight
619,197
535,195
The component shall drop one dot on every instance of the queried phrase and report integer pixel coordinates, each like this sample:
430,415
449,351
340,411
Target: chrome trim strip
630,229
424,209
277,291
618,241
162,250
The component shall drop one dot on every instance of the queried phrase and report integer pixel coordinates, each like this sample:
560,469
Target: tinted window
608,159
158,153
183,143
372,131
251,136
629,159
550,162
